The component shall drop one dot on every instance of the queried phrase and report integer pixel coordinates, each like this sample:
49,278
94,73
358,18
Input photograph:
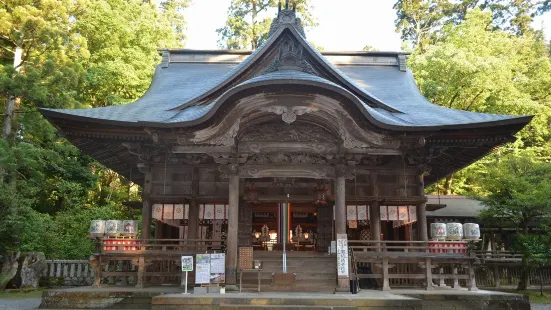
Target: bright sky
347,25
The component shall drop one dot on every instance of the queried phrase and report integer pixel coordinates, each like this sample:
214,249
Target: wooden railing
499,257
420,256
119,257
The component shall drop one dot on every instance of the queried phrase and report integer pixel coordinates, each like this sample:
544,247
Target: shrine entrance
301,226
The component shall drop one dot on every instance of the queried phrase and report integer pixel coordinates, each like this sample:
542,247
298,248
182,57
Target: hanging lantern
320,195
257,234
306,235
251,194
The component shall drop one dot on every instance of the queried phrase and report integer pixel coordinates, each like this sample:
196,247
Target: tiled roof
179,94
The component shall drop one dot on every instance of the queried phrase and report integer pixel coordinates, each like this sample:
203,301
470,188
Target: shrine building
285,144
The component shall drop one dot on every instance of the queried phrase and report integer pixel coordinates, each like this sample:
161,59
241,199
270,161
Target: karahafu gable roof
189,84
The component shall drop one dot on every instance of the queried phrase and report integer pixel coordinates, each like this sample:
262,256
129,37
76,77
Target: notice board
202,269
210,268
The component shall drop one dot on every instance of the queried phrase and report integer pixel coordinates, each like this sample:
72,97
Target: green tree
475,68
74,54
420,21
249,22
518,195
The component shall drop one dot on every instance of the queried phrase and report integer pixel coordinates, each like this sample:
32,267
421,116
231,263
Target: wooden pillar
233,222
422,222
146,208
340,200
193,215
375,221
375,210
421,210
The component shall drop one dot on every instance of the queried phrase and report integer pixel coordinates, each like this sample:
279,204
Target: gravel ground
540,307
16,303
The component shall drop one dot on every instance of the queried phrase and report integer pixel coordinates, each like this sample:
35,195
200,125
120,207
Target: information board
217,268
202,269
342,255
187,263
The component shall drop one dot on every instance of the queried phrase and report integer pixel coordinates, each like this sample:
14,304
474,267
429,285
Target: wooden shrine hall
225,143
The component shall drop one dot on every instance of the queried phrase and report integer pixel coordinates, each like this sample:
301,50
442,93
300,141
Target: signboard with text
187,263
342,255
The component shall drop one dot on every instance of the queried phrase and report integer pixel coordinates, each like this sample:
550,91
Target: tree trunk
11,102
525,271
253,24
447,190
524,276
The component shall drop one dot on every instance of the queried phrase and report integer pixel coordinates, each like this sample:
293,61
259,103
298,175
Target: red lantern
320,195
251,194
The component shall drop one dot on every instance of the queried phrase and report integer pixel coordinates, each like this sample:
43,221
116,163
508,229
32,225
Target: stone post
233,220
340,200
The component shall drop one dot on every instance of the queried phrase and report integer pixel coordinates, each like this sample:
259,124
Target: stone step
298,276
256,307
326,286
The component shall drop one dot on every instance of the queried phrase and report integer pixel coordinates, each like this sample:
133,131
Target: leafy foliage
84,53
477,68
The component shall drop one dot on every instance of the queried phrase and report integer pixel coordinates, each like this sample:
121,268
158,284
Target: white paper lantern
129,228
454,231
438,231
113,228
471,231
97,228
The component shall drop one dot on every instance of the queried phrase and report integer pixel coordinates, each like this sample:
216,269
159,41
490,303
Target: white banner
178,212
168,211
363,213
384,213
186,212
392,213
351,214
220,212
208,212
412,213
158,211
403,213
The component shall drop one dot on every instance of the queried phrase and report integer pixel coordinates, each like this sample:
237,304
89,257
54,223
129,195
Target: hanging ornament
320,193
251,194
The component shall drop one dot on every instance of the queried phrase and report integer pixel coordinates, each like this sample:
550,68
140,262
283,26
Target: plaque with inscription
245,258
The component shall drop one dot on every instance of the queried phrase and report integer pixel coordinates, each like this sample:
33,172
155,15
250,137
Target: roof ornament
286,16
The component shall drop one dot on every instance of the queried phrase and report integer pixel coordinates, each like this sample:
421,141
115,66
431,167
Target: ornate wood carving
289,114
282,171
286,16
286,158
298,132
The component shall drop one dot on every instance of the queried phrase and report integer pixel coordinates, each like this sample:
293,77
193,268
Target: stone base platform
168,298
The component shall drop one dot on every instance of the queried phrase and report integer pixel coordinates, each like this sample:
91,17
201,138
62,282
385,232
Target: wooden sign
342,255
245,258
